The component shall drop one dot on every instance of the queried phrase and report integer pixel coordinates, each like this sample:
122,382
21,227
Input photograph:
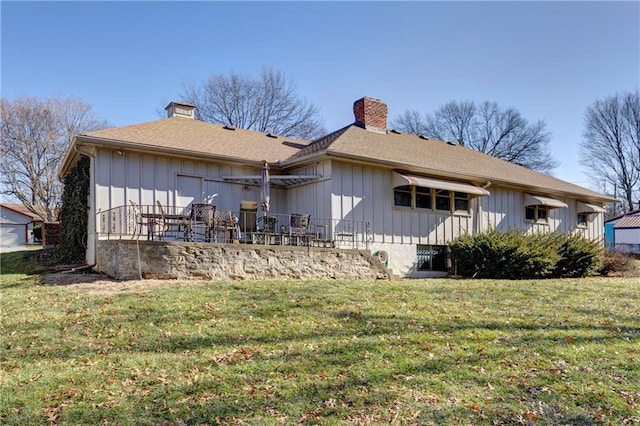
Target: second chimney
371,114
180,109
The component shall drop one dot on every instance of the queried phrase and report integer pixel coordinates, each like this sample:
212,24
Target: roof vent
180,109
227,127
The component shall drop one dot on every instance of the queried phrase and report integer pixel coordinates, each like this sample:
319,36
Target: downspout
92,240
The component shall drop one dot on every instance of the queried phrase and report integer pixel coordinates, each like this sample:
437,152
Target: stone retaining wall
178,260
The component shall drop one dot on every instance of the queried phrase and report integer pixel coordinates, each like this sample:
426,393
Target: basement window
431,258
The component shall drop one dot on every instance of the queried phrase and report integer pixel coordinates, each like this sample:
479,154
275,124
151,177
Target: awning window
402,179
589,208
537,200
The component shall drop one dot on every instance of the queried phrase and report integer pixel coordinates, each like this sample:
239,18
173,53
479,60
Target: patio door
188,190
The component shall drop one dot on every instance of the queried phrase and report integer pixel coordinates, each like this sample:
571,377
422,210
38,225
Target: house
16,226
407,195
622,232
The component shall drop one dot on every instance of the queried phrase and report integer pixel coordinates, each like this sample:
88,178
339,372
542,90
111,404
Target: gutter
144,148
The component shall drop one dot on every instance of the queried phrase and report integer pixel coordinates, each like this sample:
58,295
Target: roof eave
598,198
183,153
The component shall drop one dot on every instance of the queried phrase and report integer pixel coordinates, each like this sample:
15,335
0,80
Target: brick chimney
371,114
180,109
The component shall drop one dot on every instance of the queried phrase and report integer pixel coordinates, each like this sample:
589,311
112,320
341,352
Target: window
423,198
461,201
582,219
443,200
536,213
402,196
431,258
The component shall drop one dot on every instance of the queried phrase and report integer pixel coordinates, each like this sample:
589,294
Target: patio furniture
321,236
299,229
247,220
173,223
200,224
154,223
266,232
225,226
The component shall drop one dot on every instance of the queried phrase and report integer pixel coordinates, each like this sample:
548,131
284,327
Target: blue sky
550,60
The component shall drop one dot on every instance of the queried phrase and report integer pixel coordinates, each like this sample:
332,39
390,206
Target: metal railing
176,223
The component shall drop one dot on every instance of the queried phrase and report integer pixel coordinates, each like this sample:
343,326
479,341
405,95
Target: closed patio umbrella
264,188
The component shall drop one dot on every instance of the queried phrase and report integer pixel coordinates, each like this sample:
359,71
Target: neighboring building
416,194
622,232
16,226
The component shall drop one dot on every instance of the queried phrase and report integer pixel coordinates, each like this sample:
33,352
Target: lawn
439,351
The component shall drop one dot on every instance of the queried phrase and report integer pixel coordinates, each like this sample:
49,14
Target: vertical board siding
345,190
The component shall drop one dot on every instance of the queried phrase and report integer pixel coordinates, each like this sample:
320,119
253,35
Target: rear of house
405,196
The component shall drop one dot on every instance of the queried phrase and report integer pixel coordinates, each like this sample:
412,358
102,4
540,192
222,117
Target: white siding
344,191
628,236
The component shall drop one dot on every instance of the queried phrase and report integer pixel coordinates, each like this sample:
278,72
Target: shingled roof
434,157
431,157
186,136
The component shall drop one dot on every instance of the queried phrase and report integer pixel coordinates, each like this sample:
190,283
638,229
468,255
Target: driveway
19,248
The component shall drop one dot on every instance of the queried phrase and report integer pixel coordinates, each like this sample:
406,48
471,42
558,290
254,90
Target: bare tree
35,136
267,104
410,122
611,145
487,128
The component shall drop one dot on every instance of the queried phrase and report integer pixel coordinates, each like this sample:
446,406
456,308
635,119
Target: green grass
285,352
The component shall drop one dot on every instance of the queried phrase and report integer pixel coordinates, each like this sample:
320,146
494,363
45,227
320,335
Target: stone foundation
178,260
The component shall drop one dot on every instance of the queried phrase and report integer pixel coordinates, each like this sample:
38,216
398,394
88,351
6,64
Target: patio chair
299,228
224,224
200,223
155,224
266,230
172,223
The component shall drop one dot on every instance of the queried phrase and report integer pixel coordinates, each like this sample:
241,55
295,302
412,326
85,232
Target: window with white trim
583,218
423,197
536,213
402,196
420,197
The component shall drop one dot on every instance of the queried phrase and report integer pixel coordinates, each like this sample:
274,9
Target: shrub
515,255
508,255
579,257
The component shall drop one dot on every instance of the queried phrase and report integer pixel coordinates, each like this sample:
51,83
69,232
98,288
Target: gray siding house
415,194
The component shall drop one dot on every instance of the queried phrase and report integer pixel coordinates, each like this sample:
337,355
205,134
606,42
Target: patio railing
203,223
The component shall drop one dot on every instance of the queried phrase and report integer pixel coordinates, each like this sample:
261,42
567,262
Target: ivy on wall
73,215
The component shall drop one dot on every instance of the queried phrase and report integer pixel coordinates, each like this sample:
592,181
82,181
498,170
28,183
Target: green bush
515,255
579,257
